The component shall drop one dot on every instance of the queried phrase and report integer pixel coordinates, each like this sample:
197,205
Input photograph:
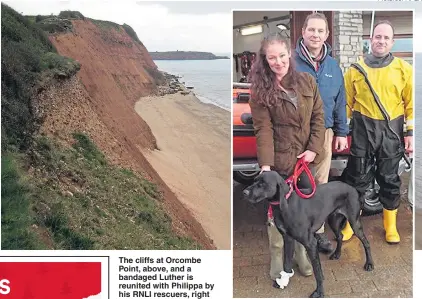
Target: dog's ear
282,188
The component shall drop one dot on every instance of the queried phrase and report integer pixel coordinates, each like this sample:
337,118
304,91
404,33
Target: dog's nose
246,192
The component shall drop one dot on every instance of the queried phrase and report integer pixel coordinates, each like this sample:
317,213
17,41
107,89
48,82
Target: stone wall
348,41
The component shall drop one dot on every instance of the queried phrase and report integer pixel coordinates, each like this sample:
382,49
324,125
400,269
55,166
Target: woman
288,119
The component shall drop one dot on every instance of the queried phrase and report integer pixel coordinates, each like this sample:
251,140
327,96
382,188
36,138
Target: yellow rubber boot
391,234
347,232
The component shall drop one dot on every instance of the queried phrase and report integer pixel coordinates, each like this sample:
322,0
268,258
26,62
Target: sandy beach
193,157
418,229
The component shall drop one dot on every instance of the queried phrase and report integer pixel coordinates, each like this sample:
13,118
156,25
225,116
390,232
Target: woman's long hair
264,85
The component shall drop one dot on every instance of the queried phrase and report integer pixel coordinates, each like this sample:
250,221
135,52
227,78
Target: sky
169,26
161,26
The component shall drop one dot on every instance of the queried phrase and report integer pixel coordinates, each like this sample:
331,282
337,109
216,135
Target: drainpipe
372,29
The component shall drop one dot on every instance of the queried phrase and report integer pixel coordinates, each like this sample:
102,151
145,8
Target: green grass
85,203
88,148
15,220
106,25
64,236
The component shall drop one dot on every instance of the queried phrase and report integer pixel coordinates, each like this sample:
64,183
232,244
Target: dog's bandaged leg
285,278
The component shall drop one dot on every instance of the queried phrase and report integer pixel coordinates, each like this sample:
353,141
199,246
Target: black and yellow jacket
394,85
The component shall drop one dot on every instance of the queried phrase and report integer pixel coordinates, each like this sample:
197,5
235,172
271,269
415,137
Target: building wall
402,21
348,31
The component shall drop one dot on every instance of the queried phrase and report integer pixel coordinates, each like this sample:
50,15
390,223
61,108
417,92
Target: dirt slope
114,74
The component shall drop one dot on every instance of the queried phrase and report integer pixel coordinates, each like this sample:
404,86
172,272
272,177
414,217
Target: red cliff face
115,72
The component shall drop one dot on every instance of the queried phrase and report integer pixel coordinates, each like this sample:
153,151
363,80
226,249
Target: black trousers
376,152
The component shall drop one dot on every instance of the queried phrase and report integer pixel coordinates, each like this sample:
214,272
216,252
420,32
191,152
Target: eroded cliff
71,196
115,72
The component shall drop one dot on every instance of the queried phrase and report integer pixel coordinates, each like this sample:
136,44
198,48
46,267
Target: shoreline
198,97
174,85
172,82
193,155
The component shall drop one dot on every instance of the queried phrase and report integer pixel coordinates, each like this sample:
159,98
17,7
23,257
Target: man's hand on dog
265,168
308,156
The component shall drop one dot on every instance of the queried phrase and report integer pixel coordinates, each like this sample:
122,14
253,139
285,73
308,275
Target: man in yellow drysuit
374,139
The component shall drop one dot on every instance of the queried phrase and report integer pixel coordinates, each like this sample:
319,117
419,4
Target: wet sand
193,157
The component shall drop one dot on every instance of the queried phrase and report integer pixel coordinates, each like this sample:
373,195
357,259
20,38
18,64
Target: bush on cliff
60,65
129,30
156,75
26,54
69,14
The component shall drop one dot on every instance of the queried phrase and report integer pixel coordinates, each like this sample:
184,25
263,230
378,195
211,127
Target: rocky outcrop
55,25
172,85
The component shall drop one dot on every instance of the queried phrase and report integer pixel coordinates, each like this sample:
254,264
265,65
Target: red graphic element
49,280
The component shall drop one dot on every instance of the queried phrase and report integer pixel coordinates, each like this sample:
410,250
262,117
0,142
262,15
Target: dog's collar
270,209
274,203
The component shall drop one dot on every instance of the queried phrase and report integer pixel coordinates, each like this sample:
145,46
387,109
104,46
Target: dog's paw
368,266
335,256
316,294
283,281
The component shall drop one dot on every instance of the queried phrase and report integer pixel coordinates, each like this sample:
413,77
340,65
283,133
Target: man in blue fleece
313,57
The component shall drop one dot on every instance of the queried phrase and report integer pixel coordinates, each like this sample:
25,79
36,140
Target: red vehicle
245,165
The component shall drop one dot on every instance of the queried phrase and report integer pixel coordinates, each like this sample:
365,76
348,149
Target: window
366,45
403,46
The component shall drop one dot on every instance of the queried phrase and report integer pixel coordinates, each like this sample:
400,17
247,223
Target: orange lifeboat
244,140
